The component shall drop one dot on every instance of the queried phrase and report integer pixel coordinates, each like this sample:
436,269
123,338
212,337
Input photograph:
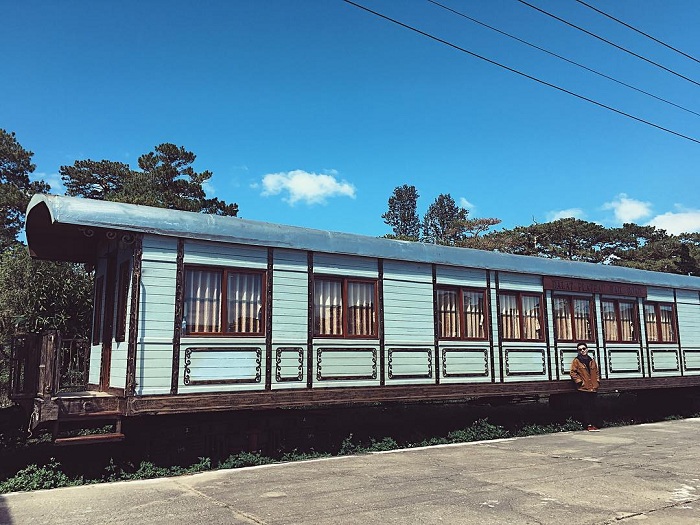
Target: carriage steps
85,423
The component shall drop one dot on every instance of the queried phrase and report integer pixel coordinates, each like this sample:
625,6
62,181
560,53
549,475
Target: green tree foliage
165,179
444,222
15,187
570,239
402,215
41,295
632,245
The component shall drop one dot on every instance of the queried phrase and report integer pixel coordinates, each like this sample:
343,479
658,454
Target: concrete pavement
645,473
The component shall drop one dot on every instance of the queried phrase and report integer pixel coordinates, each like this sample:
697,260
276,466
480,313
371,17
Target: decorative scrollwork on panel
128,238
278,364
337,376
87,232
188,362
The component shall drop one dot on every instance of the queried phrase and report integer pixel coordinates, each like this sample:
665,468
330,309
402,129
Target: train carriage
197,312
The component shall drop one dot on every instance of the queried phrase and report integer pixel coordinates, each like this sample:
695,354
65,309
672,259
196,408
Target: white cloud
682,221
52,179
209,189
464,203
555,215
312,188
628,210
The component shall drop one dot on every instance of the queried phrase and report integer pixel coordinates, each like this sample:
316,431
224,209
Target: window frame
460,301
344,281
225,272
122,297
521,319
657,311
98,310
592,317
618,320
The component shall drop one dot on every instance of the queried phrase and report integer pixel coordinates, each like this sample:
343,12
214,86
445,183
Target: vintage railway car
197,312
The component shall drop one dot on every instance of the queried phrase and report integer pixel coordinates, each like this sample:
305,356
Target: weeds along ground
175,446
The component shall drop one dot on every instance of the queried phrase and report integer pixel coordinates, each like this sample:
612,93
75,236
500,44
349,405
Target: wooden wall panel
408,272
156,315
688,297
466,277
290,299
464,362
689,324
346,265
228,255
337,364
624,361
408,313
519,282
664,361
659,294
525,362
289,366
409,365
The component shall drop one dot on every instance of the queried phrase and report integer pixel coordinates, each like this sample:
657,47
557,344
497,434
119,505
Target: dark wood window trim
591,320
521,318
225,273
657,312
344,281
122,295
635,316
462,324
97,317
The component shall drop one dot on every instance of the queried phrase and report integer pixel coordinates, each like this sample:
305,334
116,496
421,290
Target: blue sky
310,112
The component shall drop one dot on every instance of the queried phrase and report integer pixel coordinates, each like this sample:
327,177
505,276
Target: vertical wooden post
47,365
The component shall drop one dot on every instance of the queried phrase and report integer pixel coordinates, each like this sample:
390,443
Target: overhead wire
609,42
552,53
637,30
517,72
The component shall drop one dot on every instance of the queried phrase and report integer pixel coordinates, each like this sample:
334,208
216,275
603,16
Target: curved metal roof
53,222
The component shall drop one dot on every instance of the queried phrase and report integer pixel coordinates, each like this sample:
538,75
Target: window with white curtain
461,313
345,307
660,322
620,322
573,318
223,301
520,316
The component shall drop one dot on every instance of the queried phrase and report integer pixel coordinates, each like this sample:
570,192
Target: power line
562,57
637,30
608,42
475,55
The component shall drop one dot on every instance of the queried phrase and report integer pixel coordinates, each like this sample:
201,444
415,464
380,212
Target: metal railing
72,364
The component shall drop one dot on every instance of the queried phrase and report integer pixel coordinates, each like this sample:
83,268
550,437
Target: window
573,318
620,321
345,307
461,314
521,316
223,301
97,318
660,322
122,294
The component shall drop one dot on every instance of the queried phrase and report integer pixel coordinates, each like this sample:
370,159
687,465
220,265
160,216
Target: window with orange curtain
345,307
620,322
573,318
660,322
461,313
520,316
223,301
